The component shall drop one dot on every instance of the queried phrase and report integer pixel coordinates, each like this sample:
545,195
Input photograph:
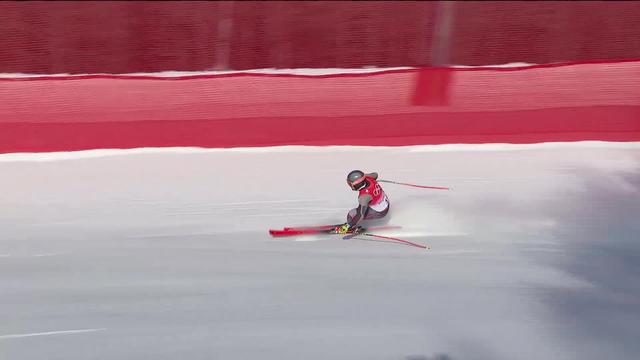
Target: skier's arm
361,212
373,175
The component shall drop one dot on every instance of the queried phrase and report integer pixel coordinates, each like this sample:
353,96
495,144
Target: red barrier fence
599,101
125,37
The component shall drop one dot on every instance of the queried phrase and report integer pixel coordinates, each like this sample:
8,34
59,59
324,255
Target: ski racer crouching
373,202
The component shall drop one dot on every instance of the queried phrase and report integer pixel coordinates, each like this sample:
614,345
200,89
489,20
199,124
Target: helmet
356,180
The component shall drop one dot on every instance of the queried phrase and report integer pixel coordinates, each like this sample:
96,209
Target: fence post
441,41
223,35
432,83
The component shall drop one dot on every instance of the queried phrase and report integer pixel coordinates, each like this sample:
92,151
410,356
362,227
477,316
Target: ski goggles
358,184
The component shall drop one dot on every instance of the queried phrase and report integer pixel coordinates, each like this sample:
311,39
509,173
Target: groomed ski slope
164,254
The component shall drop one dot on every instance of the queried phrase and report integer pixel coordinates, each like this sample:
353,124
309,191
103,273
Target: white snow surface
534,254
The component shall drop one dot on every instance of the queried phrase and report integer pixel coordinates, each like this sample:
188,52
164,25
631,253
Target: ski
327,229
331,229
299,231
313,227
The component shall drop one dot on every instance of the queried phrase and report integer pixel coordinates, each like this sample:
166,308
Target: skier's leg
377,218
352,213
371,214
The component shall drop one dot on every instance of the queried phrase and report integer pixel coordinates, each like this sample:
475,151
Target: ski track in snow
9,255
49,333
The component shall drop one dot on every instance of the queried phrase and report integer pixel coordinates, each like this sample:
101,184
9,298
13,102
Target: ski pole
396,239
414,185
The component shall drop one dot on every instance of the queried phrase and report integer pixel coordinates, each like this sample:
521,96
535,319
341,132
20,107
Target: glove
343,229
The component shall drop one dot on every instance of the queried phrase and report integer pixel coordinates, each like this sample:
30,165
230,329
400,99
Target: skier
373,202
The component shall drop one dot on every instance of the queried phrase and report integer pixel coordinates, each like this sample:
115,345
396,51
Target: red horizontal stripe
607,123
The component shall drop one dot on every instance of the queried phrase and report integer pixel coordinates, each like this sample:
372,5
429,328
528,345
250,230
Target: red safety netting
126,37
428,105
599,101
